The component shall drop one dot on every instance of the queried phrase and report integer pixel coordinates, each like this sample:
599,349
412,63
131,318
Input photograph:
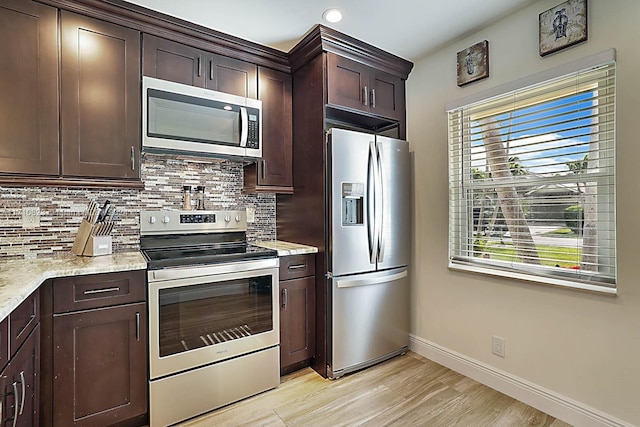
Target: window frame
461,236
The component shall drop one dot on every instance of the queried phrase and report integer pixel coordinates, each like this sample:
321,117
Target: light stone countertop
19,278
287,248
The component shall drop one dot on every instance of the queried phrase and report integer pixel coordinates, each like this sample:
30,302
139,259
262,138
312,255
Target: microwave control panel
253,137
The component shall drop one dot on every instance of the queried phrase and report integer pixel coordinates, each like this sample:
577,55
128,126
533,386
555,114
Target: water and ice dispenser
352,203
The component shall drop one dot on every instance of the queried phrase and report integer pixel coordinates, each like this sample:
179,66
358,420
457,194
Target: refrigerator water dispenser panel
352,203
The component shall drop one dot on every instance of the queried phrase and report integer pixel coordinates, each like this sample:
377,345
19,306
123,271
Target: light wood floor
407,390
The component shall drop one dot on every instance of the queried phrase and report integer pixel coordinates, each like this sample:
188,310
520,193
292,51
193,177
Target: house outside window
532,182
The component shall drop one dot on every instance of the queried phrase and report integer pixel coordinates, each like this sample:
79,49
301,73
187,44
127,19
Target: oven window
192,317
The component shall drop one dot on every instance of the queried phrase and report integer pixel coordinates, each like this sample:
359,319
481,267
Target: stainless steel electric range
213,312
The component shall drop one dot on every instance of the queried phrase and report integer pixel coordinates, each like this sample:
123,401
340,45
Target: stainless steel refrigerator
368,246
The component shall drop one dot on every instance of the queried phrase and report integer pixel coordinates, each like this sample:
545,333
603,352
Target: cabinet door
100,98
100,366
232,76
29,88
19,385
25,370
167,60
275,168
297,320
387,95
347,83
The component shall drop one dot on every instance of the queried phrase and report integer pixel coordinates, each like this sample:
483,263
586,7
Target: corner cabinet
100,98
297,311
176,62
97,339
273,173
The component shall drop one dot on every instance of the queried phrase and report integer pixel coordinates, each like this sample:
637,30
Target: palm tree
500,168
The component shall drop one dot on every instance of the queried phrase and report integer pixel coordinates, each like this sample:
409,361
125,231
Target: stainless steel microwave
190,120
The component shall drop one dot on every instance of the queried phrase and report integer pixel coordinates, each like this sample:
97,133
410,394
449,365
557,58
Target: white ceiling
407,28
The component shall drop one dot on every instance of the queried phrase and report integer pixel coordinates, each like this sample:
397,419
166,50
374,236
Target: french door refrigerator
368,250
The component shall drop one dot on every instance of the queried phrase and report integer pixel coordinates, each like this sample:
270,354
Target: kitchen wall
61,209
581,348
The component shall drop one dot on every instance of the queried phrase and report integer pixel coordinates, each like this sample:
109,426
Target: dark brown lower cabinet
19,385
99,366
297,312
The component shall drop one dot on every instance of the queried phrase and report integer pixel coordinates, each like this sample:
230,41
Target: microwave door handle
244,126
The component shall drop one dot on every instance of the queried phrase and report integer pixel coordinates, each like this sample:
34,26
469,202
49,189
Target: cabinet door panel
100,94
276,165
232,76
172,61
297,320
29,88
346,82
25,369
100,366
387,96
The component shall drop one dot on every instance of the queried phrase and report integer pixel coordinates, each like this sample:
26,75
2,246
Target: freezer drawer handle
365,282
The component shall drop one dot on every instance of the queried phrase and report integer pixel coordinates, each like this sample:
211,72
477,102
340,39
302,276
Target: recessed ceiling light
332,15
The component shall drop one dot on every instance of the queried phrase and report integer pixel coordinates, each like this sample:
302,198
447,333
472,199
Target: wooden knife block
88,245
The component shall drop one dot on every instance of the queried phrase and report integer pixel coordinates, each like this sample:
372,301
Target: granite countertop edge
19,278
287,248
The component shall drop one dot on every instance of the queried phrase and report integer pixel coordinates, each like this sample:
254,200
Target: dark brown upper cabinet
29,88
167,60
232,76
357,86
273,173
100,98
176,62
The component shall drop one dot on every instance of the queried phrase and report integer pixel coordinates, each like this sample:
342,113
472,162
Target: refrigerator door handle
380,204
350,283
371,204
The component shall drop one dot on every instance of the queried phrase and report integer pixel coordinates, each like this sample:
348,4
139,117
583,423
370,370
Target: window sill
535,279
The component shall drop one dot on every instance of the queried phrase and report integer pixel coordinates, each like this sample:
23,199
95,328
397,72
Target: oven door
203,315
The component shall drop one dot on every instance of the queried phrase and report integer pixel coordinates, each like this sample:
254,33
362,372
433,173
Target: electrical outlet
498,346
30,217
251,214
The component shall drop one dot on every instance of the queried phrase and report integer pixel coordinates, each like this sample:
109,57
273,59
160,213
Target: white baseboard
554,404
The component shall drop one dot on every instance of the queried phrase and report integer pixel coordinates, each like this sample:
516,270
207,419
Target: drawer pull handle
297,266
285,299
101,291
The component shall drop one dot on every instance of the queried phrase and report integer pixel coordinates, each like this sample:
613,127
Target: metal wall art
563,26
473,63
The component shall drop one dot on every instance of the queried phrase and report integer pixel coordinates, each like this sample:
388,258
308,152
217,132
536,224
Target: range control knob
152,219
227,218
238,218
165,219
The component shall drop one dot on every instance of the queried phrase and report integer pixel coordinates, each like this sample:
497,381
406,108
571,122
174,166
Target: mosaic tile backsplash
61,209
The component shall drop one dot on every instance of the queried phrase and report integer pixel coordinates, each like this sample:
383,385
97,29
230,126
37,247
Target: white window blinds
532,182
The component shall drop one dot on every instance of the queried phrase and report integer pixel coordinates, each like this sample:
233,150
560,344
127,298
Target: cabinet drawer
22,320
98,290
294,266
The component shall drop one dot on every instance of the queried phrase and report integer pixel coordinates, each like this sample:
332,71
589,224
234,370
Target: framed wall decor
562,26
473,63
